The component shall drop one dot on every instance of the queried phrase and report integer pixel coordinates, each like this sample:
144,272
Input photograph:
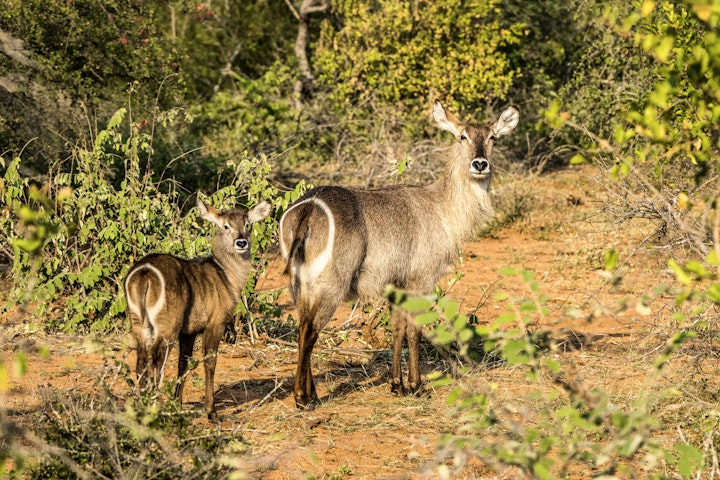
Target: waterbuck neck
234,266
465,200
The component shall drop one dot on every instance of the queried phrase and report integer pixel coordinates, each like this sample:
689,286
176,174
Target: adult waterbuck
343,244
170,299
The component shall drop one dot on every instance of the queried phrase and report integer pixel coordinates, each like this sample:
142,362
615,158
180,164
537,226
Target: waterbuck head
475,143
233,235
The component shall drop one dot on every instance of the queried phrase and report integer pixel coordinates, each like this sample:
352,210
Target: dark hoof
417,390
213,417
306,403
305,406
397,388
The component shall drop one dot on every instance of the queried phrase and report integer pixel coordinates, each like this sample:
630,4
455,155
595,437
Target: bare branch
304,86
292,9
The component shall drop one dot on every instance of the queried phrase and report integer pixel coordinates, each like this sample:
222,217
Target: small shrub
94,436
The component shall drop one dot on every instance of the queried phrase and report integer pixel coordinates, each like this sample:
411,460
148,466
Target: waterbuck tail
145,290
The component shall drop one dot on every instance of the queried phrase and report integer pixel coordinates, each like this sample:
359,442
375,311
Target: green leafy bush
406,54
70,261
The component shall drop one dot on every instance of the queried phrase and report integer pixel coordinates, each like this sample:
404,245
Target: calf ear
259,212
507,122
209,213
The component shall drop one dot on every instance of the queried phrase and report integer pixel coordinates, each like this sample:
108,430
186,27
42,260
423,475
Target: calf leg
160,352
141,365
187,342
211,342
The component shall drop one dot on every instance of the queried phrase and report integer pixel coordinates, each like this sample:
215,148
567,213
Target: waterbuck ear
507,122
259,212
209,213
445,120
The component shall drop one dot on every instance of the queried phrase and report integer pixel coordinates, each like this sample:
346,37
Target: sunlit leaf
680,272
612,257
663,49
647,7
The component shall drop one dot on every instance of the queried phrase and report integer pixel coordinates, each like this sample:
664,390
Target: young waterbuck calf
344,244
171,299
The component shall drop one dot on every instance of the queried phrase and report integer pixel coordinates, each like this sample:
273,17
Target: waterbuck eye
226,226
247,225
463,137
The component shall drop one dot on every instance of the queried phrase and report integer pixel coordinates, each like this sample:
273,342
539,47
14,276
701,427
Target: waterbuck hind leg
304,389
141,367
187,342
398,325
312,320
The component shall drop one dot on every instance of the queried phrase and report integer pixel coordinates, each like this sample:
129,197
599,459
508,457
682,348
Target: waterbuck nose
480,165
241,244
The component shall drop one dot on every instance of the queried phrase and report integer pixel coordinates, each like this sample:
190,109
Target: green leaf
689,459
680,273
713,292
697,268
507,271
553,365
611,259
514,352
630,446
460,322
427,318
3,378
505,319
442,381
416,304
466,335
29,245
20,364
712,258
451,310
578,159
663,49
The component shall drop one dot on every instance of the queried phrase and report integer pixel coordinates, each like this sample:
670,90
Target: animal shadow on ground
340,378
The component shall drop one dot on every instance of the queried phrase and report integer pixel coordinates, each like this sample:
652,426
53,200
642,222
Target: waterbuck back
172,300
343,244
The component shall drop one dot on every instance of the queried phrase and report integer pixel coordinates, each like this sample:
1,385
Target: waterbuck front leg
413,332
211,341
398,325
187,342
403,326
